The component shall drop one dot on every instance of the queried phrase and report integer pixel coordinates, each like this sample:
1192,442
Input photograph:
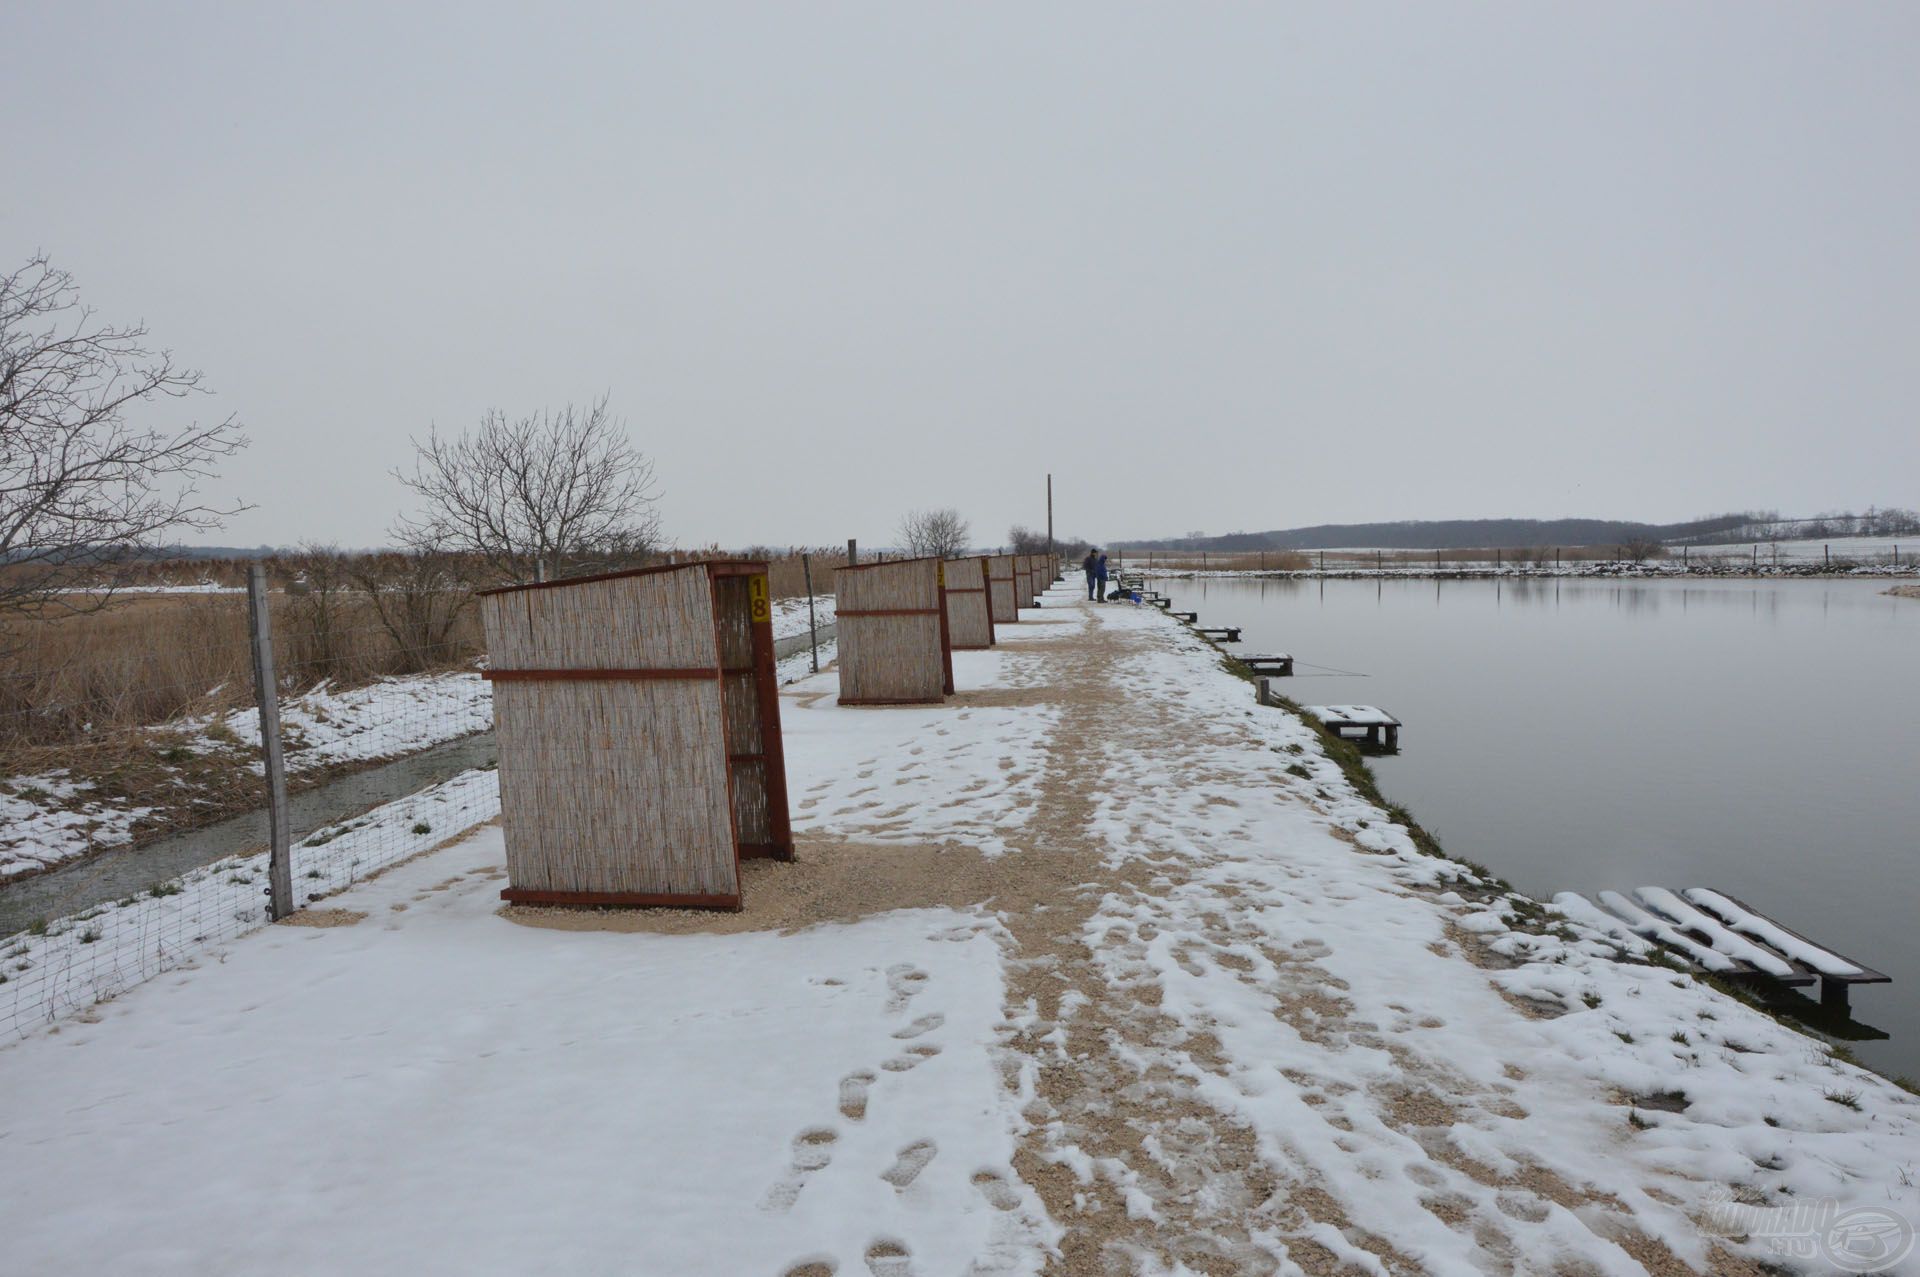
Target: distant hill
1451,534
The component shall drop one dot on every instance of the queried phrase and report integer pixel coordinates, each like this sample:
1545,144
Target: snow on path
1461,1089
436,1089
1218,1015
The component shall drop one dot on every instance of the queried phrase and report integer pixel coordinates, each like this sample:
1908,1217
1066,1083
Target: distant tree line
1526,534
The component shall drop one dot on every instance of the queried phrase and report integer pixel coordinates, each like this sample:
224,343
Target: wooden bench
1366,726
1718,933
1267,663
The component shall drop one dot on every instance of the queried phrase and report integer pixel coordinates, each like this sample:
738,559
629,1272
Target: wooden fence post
813,633
267,692
853,551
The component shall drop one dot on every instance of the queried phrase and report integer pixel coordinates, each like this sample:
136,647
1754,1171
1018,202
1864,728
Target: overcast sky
1217,267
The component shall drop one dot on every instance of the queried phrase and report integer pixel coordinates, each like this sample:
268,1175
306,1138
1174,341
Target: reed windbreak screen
639,738
891,619
1002,589
969,621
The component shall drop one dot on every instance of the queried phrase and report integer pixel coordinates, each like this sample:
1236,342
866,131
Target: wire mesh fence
131,772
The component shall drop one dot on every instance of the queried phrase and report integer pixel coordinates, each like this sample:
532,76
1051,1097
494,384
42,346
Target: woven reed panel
659,621
615,787
890,658
1001,586
618,785
969,626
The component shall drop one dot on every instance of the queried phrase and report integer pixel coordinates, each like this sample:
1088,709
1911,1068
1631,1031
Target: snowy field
1178,1000
52,817
790,615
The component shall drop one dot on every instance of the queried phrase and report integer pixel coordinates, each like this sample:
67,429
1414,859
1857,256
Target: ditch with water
1759,737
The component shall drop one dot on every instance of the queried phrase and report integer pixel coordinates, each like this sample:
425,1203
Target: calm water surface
1758,737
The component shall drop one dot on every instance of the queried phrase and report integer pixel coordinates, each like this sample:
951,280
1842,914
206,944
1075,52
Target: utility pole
1049,515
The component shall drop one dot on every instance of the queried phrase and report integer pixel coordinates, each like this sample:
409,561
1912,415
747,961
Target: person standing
1100,575
1091,566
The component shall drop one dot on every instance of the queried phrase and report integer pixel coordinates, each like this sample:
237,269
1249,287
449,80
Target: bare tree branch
557,488
938,533
83,491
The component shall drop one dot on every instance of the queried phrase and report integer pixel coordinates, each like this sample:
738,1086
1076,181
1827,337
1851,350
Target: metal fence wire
131,778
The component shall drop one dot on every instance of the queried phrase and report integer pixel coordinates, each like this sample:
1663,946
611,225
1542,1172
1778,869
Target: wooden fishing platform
1219,633
1364,725
1163,603
1189,617
1279,663
1721,934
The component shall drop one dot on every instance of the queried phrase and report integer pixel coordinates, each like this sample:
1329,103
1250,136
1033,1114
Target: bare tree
935,533
554,489
82,490
1024,540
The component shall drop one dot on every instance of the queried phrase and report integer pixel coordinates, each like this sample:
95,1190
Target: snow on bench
1739,948
1350,715
1642,923
1724,936
1794,945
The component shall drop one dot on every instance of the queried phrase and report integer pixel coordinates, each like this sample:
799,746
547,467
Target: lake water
1758,737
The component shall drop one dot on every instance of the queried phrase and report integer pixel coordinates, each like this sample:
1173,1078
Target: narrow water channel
1757,737
127,871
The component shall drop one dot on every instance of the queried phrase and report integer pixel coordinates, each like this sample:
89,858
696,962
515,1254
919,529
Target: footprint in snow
908,1164
925,1024
903,981
889,1258
853,1094
914,1057
993,1186
812,1150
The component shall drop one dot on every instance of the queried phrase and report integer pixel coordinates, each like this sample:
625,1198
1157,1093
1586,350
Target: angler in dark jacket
1095,568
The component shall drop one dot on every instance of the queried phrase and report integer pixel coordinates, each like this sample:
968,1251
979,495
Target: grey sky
1217,267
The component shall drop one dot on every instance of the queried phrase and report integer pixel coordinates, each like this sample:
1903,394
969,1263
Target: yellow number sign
759,608
940,574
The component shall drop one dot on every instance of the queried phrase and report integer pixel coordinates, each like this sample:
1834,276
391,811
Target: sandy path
1132,1159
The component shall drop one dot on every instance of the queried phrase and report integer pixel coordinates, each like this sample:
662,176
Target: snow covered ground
790,615
52,817
1178,1000
384,719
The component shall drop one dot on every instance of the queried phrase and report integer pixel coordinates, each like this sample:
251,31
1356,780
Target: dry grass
80,681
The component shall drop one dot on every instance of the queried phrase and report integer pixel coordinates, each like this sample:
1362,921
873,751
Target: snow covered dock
1725,936
1064,980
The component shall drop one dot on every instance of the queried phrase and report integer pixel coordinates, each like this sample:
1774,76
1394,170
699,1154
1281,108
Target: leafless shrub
418,596
1640,549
